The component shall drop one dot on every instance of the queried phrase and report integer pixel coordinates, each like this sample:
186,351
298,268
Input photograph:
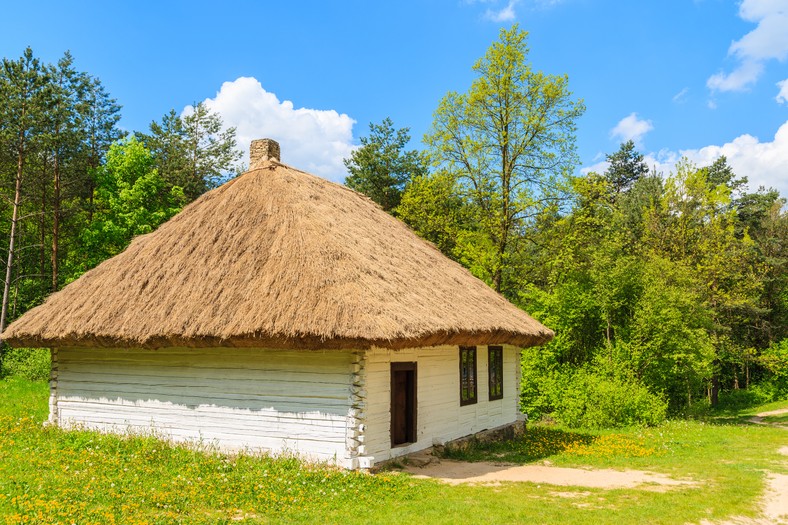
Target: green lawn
50,476
781,419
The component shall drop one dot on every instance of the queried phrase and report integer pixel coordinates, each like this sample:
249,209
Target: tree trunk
55,222
14,218
42,237
714,392
747,375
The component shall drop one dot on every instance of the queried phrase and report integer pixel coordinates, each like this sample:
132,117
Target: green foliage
56,124
130,199
656,280
381,168
28,363
590,397
775,359
431,205
626,167
48,475
193,151
669,346
510,143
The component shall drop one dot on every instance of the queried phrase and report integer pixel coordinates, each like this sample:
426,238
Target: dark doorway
403,403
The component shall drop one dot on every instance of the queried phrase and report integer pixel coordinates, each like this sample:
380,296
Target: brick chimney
261,151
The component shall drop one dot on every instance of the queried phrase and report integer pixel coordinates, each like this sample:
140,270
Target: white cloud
769,40
782,96
631,128
763,163
313,140
681,96
662,161
739,79
597,167
505,14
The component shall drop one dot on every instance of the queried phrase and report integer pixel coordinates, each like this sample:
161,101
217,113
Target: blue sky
697,78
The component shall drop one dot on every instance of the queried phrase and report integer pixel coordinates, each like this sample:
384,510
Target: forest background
668,292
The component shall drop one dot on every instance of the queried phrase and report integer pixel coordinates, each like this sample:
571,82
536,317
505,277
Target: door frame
411,399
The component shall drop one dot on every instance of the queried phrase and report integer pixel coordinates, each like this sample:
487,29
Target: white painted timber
440,418
254,399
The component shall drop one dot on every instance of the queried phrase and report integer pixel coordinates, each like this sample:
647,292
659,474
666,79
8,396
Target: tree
192,151
100,120
64,136
381,167
22,84
55,126
431,204
131,199
626,167
695,226
510,141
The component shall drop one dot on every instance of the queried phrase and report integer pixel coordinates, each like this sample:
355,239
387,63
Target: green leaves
381,167
509,142
193,151
654,280
131,199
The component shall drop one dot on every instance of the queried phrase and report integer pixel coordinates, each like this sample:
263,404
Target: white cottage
283,312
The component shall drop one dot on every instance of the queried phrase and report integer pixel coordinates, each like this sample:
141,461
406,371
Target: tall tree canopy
193,151
381,167
626,167
510,141
131,198
56,124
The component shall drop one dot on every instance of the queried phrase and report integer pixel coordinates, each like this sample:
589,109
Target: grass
51,476
779,420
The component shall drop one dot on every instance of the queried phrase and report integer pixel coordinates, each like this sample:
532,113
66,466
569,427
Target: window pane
495,368
468,387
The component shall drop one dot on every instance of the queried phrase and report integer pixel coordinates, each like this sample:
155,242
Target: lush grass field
49,476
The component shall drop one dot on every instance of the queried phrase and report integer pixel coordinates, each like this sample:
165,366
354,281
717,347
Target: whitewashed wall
261,400
440,417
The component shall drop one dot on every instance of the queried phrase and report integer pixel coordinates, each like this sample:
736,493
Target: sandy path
775,498
774,501
456,472
758,418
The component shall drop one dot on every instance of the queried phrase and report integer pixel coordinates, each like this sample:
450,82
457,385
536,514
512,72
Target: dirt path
774,500
456,472
758,418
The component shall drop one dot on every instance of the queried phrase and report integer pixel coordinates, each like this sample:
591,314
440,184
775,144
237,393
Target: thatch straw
277,258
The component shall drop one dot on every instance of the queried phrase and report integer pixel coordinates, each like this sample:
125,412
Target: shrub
593,400
29,363
587,397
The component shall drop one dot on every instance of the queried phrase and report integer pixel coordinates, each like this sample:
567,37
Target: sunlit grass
51,476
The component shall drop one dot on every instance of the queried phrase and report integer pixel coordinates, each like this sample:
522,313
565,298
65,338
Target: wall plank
261,400
440,416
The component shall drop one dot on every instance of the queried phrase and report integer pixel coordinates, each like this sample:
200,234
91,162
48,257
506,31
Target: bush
587,397
592,400
29,363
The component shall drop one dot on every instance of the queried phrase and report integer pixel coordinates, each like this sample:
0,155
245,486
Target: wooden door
403,403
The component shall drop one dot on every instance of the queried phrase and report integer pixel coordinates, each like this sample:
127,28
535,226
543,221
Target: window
495,370
467,375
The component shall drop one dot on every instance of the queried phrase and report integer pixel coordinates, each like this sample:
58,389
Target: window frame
495,371
471,378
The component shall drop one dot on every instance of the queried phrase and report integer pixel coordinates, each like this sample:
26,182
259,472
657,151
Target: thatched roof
277,258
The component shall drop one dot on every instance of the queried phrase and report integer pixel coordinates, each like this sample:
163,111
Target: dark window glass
495,369
467,375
